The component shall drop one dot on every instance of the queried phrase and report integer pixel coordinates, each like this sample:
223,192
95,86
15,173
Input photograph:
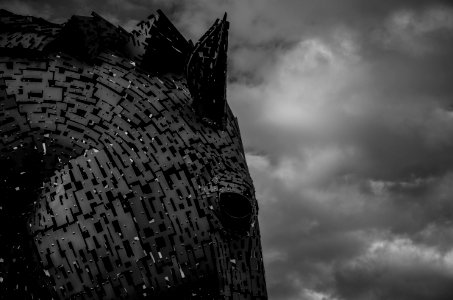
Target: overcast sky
346,112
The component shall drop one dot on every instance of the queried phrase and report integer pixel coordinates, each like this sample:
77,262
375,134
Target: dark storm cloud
397,269
346,111
124,13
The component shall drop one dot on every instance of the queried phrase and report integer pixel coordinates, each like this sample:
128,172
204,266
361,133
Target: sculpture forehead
116,100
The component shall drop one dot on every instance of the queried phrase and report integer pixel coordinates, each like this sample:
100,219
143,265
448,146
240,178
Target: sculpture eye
236,211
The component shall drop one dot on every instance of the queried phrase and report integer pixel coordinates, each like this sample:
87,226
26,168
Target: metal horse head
122,169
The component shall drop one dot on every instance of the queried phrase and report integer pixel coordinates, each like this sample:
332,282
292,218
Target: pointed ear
166,49
206,72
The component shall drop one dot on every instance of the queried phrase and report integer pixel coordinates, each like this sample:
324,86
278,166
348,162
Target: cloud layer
346,111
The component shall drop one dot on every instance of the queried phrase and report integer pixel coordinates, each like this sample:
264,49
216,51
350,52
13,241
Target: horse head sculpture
123,174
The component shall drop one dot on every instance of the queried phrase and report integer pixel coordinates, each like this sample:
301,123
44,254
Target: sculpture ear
166,49
206,72
156,45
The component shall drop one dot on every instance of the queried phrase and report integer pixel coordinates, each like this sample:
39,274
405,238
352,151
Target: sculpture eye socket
236,210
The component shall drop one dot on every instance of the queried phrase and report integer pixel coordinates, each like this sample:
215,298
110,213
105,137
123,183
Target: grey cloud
116,11
397,269
325,244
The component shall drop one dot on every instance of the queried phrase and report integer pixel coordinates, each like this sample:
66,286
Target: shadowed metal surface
120,180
